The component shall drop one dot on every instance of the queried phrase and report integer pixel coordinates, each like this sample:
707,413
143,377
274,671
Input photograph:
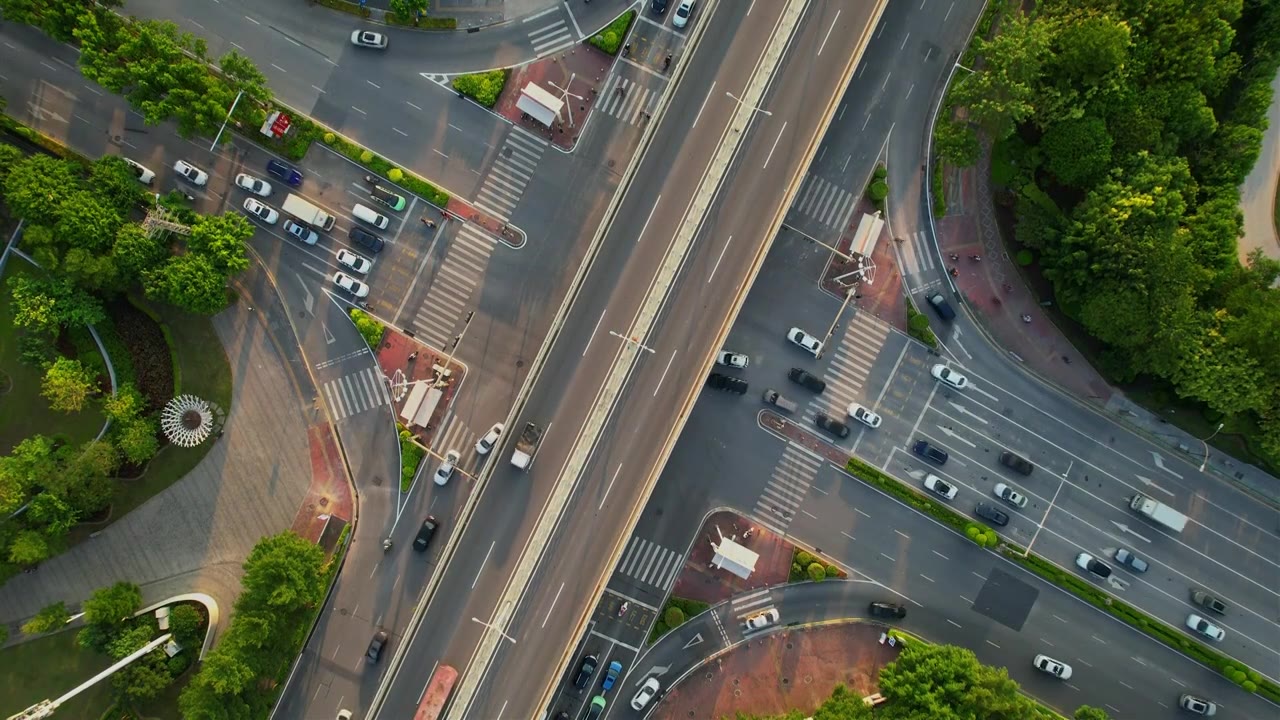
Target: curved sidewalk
194,536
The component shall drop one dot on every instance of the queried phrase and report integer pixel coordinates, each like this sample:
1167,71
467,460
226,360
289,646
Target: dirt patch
795,669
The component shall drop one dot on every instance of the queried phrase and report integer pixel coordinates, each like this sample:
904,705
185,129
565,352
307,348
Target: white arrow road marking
955,436
329,339
965,411
1152,484
1159,461
1125,529
975,388
660,670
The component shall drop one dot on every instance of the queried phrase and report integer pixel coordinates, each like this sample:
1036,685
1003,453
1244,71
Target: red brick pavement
699,581
329,494
884,296
580,70
994,290
804,438
794,669
459,209
393,355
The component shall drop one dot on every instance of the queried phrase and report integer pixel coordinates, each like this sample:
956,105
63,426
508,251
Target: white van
367,214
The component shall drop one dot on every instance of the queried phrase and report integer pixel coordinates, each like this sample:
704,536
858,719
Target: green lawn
23,411
48,667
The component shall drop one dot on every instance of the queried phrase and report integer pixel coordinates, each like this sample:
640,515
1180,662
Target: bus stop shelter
539,104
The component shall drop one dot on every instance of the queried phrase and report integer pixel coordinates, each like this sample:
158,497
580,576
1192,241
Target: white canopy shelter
539,104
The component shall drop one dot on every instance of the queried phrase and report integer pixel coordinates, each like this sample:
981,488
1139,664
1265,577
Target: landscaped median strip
1237,673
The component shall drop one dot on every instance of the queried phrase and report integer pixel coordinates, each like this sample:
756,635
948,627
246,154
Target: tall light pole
442,373
224,122
1205,464
848,295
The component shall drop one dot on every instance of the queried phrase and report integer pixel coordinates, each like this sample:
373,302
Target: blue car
611,675
285,172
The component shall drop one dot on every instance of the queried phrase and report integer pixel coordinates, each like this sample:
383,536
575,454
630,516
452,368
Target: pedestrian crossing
451,289
749,605
455,435
824,201
634,105
650,563
851,362
507,179
553,38
356,392
786,489
916,255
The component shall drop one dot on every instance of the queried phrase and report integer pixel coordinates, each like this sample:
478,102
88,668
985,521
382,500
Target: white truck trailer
1158,512
307,213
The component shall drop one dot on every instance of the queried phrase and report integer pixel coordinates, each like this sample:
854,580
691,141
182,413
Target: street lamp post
443,372
848,295
1205,441
224,122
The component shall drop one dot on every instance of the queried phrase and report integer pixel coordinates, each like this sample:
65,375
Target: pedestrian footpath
454,283
851,362
786,489
633,106
650,563
506,181
356,393
825,202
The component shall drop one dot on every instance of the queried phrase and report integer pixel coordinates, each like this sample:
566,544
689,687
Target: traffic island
568,81
883,296
701,581
781,672
422,381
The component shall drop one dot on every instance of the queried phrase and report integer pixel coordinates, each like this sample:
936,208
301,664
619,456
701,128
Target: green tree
50,618
28,465
221,239
116,183
956,142
844,704
190,281
51,514
1087,66
137,440
243,75
283,574
1078,152
9,155
407,10
1000,95
945,682
1088,712
125,405
29,547
186,625
136,251
67,385
36,188
84,481
47,305
43,246
111,606
59,19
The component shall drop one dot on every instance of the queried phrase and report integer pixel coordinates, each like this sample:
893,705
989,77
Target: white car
1009,495
938,485
357,263
145,176
805,340
486,443
300,231
1198,706
863,415
369,39
683,13
191,173
732,359
647,691
1205,628
265,213
261,188
445,471
949,376
350,284
761,620
1056,668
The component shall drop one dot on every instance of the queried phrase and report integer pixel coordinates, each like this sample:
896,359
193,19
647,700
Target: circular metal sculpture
187,420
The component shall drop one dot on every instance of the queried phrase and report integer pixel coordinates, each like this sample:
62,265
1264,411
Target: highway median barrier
1248,679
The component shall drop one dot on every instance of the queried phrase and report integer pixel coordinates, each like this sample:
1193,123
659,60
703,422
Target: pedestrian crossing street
634,106
753,603
851,362
916,255
552,38
786,489
356,392
451,289
824,201
650,563
507,179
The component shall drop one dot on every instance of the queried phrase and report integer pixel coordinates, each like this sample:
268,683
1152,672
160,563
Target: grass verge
47,667
805,566
411,454
610,38
918,326
674,614
1131,616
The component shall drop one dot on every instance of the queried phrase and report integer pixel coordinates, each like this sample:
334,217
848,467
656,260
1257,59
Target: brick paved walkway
329,496
883,297
581,69
795,669
394,354
699,581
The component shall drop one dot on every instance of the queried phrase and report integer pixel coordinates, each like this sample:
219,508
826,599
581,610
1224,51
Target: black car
425,533
658,6
365,239
932,453
991,514
586,669
1016,463
376,646
800,377
942,307
831,425
728,383
887,610
284,171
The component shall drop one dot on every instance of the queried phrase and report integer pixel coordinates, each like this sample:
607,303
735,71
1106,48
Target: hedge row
485,87
379,165
411,455
370,329
610,38
806,566
674,614
1174,639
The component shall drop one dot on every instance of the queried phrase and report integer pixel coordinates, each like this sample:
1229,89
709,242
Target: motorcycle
386,545
622,610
